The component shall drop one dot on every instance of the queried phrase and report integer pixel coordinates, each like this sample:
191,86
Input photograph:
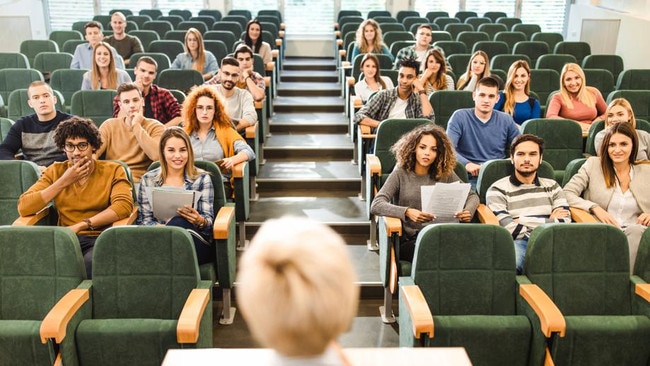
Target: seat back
639,99
583,268
509,22
403,14
440,35
633,79
182,80
146,37
464,15
183,13
642,264
612,63
491,48
392,27
143,272
67,82
446,102
205,19
391,37
571,169
176,35
590,144
187,24
492,29
18,105
5,126
169,48
433,15
12,79
528,29
231,26
443,21
227,37
544,82
32,47
46,62
159,26
373,14
551,38
161,59
237,19
96,105
13,60
477,21
38,265
511,38
214,13
533,49
458,62
562,141
70,45
218,49
456,28
503,62
471,38
601,79
409,22
578,49
241,12
139,20
554,62
494,15
493,170
153,13
454,260
451,47
16,178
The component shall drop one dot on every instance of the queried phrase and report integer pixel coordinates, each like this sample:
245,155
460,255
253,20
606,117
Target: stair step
313,89
310,147
324,64
313,178
334,123
309,76
332,104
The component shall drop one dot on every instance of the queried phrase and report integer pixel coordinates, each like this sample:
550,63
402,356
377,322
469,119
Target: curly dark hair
445,161
410,62
77,127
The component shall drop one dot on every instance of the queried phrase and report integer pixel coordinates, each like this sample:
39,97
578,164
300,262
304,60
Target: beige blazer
587,188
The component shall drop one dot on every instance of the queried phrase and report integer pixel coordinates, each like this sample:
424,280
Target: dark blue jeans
87,244
204,252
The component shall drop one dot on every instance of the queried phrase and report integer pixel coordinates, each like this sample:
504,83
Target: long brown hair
404,150
190,122
439,80
361,41
200,51
177,132
373,58
606,163
467,76
509,105
95,74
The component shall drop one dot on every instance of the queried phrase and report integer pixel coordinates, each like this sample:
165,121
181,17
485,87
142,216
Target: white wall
632,25
21,20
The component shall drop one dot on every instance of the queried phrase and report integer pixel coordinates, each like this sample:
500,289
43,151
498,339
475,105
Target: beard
527,173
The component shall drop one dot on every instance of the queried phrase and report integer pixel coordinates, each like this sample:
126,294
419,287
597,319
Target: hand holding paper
445,200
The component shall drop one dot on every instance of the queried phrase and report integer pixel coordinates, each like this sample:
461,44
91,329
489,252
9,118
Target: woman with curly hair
477,68
435,75
104,74
515,99
369,40
425,156
212,133
195,56
89,194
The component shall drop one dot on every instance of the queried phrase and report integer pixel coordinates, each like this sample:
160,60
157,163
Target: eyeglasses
82,146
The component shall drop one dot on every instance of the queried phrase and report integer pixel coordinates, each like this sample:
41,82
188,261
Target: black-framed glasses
82,146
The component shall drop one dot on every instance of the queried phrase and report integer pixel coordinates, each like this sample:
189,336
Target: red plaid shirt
163,104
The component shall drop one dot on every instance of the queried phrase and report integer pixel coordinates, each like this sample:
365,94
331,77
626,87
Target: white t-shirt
399,109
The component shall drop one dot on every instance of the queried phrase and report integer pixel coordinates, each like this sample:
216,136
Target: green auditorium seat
642,264
433,15
60,36
633,79
12,79
464,15
169,48
471,38
551,38
491,48
231,26
32,47
159,26
214,13
47,62
67,82
494,15
187,24
5,125
511,38
403,14
179,79
241,12
446,102
153,13
601,79
532,49
183,13
492,29
639,99
477,21
578,49
16,178
145,37
528,29
554,61
18,107
451,47
96,105
175,35
13,60
139,20
612,63
508,22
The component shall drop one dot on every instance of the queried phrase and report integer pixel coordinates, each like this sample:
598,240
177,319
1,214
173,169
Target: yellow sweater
107,187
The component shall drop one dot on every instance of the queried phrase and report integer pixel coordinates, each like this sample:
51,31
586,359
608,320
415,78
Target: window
425,6
133,5
256,5
482,7
192,5
65,12
363,6
549,14
309,17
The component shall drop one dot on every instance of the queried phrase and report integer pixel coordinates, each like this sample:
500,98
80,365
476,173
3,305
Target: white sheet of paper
166,200
443,200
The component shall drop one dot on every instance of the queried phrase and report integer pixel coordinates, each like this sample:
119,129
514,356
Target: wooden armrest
550,318
222,222
281,34
128,220
373,163
58,361
187,330
283,26
418,310
486,216
339,43
259,104
56,321
346,65
270,66
342,54
393,226
267,81
579,215
278,42
364,130
238,169
357,102
350,80
643,290
251,131
32,220
275,54
337,33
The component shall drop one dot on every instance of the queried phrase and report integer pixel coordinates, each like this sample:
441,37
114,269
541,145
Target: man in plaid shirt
423,38
159,103
407,100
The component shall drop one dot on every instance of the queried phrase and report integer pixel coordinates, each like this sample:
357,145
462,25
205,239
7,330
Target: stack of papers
443,200
165,201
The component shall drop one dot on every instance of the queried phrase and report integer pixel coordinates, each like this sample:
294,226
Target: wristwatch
421,92
90,225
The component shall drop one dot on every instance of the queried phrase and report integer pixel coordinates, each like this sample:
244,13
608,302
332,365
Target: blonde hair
623,103
200,52
583,95
361,41
467,76
95,73
297,287
509,105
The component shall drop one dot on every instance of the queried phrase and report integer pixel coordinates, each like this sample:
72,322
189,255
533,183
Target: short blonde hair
297,287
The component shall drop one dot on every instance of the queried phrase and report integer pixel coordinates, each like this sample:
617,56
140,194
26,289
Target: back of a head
297,287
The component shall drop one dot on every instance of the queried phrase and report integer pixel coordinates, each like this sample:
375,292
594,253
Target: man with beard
133,138
34,134
159,103
523,200
249,79
238,102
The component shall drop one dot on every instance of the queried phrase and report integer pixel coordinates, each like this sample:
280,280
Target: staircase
308,169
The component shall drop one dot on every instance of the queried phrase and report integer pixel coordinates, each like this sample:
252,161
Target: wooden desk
357,356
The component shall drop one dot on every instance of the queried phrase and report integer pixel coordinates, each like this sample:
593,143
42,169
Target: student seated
477,68
195,56
249,80
424,157
435,77
297,292
238,103
253,38
89,194
125,44
83,54
423,39
369,40
619,110
515,100
177,170
104,74
372,80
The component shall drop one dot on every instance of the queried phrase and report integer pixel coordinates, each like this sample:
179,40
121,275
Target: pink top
580,112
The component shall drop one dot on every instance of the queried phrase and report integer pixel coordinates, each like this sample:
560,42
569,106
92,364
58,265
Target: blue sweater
478,142
523,111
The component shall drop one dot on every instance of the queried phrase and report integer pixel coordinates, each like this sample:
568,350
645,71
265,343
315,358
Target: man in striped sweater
523,200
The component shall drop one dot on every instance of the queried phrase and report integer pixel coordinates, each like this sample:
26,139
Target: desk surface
357,356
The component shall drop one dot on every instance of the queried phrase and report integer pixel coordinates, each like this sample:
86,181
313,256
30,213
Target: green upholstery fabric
612,63
550,38
642,264
466,274
18,106
187,24
601,79
503,62
598,126
562,141
554,62
493,170
146,37
17,176
71,45
458,63
182,80
169,48
159,26
511,38
231,26
633,79
492,29
46,62
456,28
161,59
578,49
228,38
532,49
13,60
639,99
446,102
67,81
94,104
492,48
391,37
38,265
141,279
494,15
527,29
477,21
32,47
584,269
12,79
544,82
452,47
5,126
571,169
218,49
175,35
